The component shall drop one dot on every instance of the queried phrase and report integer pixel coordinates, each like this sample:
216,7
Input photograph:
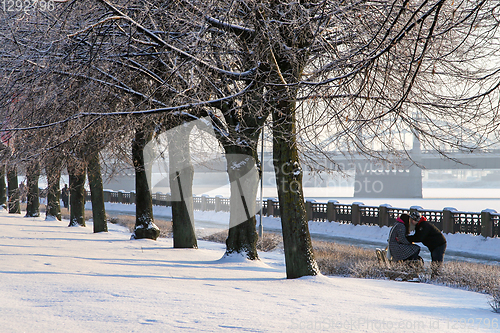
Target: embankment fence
448,220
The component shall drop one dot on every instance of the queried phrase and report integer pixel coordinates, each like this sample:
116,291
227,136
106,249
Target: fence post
356,213
331,212
218,203
168,198
383,215
204,202
276,210
106,195
309,211
487,223
448,220
120,196
270,207
160,199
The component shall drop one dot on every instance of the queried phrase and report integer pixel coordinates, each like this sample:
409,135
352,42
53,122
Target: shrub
495,299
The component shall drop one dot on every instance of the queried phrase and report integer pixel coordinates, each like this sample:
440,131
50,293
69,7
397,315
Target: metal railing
448,220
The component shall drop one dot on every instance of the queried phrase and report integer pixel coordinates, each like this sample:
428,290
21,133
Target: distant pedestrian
22,192
65,195
429,235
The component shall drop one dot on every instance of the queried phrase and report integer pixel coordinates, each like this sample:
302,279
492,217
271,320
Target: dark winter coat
399,246
428,234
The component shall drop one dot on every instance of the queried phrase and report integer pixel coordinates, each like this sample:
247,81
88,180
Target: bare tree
33,198
3,188
181,175
13,204
53,167
356,68
368,55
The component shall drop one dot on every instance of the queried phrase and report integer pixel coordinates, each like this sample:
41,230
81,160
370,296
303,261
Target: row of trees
106,77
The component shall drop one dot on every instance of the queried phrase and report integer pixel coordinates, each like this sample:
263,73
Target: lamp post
261,227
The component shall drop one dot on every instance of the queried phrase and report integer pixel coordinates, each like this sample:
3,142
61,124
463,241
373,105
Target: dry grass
218,237
269,241
346,260
495,300
65,214
128,221
474,276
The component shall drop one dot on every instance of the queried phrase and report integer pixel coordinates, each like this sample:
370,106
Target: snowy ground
55,278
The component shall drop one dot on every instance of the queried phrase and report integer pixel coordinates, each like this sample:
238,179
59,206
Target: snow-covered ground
59,279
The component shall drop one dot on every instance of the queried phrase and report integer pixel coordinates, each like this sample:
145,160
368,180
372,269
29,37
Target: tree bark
76,194
299,257
297,244
13,191
181,174
96,193
33,199
144,221
3,189
287,71
53,208
244,126
244,182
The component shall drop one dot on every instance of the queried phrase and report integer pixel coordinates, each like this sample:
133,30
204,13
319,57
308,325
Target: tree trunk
299,257
240,145
97,195
144,221
13,191
53,208
76,194
244,183
33,199
3,189
181,174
